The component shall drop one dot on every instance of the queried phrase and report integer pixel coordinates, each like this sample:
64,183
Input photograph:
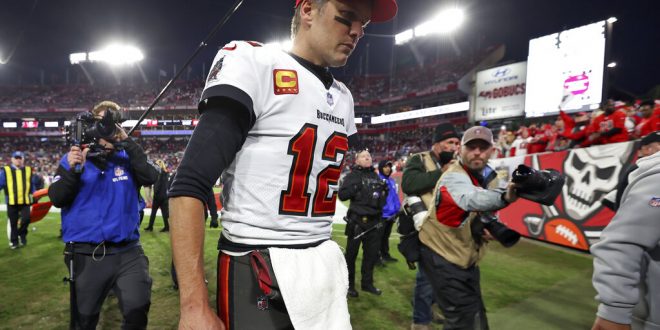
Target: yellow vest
18,185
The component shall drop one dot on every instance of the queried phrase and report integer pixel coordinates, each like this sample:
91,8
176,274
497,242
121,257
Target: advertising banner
501,92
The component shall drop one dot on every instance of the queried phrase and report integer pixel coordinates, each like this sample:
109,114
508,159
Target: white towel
313,283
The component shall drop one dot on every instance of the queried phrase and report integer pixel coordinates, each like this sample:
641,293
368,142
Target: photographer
420,175
97,188
368,195
452,239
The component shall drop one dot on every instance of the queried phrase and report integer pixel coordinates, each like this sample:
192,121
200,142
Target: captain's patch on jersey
655,202
285,81
215,70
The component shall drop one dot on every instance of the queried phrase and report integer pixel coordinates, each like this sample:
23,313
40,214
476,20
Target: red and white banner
577,217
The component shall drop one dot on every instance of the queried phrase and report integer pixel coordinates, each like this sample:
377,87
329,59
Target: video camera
88,129
538,186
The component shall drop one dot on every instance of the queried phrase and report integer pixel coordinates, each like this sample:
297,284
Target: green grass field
529,286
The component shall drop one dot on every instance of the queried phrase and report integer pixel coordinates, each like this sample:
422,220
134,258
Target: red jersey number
295,200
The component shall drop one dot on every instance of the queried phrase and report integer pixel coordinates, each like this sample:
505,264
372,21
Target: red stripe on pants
223,289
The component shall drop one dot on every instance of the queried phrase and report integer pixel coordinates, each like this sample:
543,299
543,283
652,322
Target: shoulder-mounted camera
87,128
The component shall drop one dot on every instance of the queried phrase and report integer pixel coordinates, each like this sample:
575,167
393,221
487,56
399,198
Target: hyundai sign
501,92
565,71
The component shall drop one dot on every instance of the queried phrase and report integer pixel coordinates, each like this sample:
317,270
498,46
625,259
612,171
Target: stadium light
611,65
77,58
403,37
449,20
117,54
113,55
445,22
612,20
284,45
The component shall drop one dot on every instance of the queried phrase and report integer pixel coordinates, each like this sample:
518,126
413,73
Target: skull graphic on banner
591,173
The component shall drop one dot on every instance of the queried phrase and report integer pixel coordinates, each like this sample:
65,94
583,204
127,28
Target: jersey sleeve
234,74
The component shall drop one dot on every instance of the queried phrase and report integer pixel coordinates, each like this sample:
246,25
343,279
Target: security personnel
368,195
18,182
100,224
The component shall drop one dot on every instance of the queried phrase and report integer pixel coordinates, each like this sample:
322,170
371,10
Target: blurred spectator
608,127
519,145
646,124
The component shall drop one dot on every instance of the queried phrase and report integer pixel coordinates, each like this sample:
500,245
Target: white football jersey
281,188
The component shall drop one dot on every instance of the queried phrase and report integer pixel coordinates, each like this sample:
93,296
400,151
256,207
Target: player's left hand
603,324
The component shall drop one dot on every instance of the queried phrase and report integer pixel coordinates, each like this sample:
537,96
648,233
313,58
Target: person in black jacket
160,198
368,195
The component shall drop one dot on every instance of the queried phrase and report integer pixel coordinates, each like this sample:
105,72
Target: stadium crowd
582,129
84,95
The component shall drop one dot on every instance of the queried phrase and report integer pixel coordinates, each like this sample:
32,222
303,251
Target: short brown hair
295,21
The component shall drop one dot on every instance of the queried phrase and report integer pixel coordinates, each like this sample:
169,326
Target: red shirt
646,127
604,123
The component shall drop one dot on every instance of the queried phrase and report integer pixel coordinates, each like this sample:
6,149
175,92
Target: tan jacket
458,197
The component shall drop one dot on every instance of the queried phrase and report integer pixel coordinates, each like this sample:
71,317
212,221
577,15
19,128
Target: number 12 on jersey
295,200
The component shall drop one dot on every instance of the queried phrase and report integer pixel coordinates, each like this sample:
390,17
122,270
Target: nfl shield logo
330,100
119,171
655,202
262,303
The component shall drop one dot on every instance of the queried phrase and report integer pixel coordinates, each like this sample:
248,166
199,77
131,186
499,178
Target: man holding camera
97,187
420,175
368,194
453,238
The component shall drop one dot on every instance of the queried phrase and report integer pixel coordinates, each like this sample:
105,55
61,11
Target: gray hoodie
627,258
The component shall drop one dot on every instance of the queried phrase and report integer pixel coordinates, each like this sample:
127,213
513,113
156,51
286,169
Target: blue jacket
102,205
393,204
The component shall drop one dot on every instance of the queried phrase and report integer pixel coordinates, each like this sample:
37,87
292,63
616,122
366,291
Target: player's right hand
77,156
200,318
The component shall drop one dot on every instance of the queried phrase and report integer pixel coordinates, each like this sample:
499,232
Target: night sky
168,32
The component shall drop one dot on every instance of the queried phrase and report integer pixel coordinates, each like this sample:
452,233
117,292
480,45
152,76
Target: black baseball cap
445,131
653,137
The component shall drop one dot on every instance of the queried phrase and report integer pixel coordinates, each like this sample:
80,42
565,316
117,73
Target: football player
276,125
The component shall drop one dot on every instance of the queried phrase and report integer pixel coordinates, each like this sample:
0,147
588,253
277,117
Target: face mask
446,157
